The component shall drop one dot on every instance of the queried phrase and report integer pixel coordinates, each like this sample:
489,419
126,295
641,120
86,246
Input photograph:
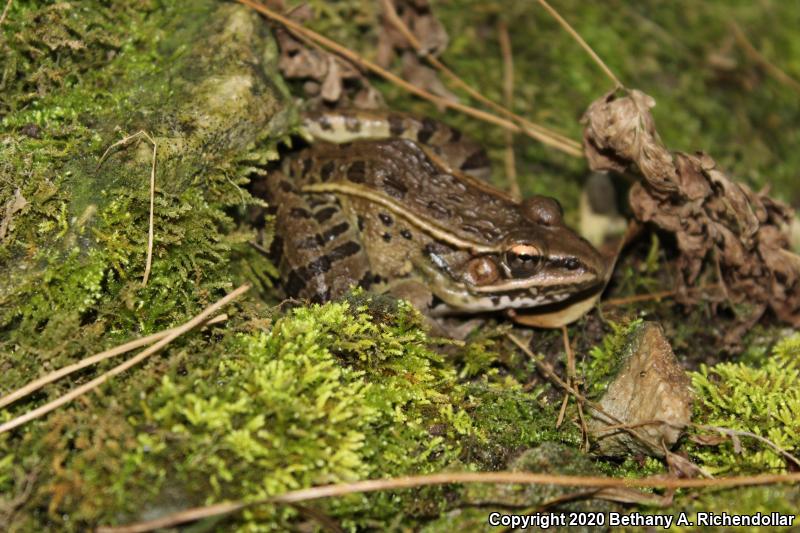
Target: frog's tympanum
396,204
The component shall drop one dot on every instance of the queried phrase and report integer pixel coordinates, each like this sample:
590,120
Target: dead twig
550,138
570,375
398,23
155,348
150,231
551,375
637,298
572,381
575,35
446,478
9,507
88,361
731,433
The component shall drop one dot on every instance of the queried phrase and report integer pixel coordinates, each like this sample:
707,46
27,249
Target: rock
650,385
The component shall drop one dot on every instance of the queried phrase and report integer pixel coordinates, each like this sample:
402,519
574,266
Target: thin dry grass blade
524,478
89,361
391,14
155,348
575,35
551,139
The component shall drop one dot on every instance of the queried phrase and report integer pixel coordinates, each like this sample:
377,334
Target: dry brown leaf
417,16
337,82
424,77
682,467
717,222
708,439
326,76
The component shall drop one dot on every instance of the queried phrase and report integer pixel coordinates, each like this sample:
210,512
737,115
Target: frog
398,204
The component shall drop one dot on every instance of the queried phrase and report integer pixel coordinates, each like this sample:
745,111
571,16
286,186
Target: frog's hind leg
316,247
454,149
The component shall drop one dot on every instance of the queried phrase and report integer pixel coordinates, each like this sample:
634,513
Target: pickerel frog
396,204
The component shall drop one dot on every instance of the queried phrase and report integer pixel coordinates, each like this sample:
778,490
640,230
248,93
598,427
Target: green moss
328,394
88,74
782,499
763,400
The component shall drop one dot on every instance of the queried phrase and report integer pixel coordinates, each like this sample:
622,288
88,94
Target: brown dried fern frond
716,221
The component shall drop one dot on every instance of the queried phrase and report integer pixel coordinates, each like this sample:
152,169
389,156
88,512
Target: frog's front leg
318,250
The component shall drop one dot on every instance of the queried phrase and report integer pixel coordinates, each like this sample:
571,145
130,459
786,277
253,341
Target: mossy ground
277,399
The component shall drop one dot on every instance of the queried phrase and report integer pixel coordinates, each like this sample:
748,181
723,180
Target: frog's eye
481,271
523,259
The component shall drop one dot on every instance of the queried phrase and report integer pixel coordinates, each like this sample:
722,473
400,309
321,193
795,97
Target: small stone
650,385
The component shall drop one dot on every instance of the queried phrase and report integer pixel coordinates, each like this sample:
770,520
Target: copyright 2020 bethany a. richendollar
664,521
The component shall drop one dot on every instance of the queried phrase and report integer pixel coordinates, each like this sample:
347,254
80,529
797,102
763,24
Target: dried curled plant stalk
742,234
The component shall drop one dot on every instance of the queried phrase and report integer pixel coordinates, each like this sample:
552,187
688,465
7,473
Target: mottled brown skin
400,215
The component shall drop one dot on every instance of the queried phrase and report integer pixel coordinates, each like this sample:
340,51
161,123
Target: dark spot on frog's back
325,214
318,266
357,172
299,212
386,219
394,187
307,164
455,135
335,231
440,210
326,170
470,228
477,159
387,237
426,131
345,250
405,234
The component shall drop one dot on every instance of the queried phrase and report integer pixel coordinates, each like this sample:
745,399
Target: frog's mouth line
574,281
520,301
459,297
